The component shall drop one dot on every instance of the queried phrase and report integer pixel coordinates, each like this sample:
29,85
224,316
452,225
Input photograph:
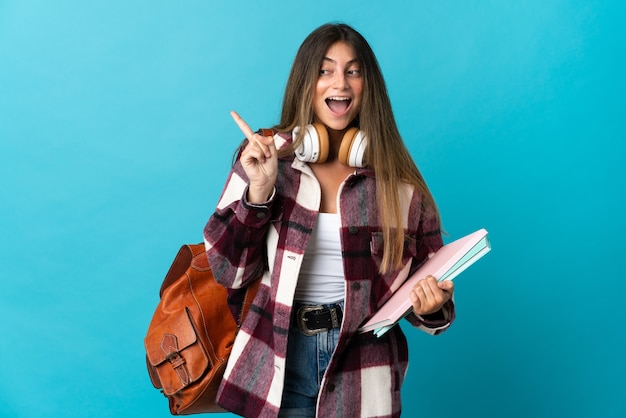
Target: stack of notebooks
447,263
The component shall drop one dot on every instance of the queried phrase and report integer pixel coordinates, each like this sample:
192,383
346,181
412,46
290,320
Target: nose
340,81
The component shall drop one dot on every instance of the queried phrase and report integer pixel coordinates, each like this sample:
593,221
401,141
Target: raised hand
260,162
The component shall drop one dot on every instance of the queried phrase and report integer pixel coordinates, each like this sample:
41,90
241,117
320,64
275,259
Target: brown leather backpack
192,332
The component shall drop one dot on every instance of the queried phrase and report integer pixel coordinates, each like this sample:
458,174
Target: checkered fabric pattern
246,241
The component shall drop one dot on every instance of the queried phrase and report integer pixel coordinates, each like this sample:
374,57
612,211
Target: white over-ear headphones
314,146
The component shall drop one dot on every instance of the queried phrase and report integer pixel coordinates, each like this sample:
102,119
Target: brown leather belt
313,319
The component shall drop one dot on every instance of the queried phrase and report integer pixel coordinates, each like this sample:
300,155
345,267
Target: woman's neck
334,143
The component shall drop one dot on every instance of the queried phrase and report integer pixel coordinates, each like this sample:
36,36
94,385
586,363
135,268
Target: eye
354,73
324,71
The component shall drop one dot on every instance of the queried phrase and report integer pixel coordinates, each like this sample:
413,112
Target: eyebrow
352,61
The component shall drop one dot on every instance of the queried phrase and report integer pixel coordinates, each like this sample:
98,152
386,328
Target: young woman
332,224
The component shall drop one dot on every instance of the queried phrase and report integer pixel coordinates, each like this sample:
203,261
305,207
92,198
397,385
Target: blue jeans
307,359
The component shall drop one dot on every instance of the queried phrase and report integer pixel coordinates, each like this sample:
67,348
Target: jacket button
331,387
356,286
261,215
353,230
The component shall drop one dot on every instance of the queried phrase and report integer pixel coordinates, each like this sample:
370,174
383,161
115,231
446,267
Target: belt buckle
302,320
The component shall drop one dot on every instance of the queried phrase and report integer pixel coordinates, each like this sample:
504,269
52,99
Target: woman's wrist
258,195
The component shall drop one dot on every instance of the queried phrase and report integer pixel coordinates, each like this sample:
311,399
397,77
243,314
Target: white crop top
321,275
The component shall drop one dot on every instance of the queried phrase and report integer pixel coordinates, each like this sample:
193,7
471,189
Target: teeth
339,98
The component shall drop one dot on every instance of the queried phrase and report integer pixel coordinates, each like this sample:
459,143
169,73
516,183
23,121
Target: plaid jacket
246,241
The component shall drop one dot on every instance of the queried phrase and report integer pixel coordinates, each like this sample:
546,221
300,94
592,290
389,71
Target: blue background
115,140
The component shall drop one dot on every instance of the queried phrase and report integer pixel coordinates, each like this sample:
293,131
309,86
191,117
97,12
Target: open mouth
338,104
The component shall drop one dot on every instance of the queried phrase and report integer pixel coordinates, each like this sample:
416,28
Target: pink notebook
445,264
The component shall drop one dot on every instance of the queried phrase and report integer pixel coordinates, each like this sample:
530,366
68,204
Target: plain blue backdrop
115,140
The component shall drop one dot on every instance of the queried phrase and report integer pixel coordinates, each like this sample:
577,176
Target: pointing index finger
247,131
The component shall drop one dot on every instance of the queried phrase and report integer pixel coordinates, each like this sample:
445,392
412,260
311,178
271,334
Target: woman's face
339,88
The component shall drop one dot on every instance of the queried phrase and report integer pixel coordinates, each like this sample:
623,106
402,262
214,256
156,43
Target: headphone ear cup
314,146
324,145
352,149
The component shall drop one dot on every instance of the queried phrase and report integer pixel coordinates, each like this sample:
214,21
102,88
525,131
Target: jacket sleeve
234,235
430,240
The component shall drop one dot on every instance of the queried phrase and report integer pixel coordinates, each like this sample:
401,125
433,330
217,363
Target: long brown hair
386,153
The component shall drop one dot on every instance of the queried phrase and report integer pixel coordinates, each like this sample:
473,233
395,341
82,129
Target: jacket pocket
377,247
